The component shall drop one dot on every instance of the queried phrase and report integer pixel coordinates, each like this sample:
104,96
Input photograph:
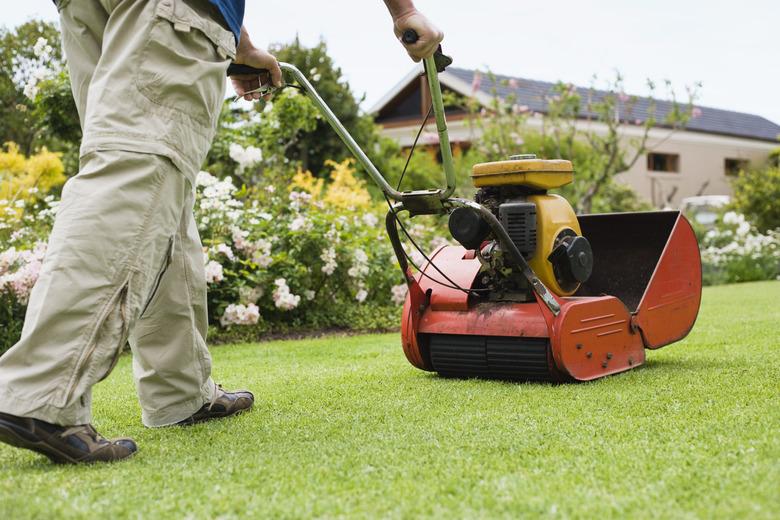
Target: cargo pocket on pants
182,66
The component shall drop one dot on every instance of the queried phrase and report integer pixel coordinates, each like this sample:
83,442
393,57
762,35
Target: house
697,160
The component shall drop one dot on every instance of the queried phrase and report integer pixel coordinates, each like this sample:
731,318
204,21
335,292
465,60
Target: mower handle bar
412,197
424,201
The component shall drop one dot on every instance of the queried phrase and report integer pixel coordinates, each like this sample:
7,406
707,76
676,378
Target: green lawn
345,427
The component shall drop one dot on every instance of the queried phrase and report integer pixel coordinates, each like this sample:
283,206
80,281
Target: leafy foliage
56,109
26,216
295,256
36,104
281,125
344,191
756,195
18,64
734,251
774,157
322,144
24,182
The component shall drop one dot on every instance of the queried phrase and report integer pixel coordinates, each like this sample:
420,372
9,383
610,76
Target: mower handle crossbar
435,201
419,201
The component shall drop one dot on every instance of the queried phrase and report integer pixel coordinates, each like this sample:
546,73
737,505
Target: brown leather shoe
224,404
63,444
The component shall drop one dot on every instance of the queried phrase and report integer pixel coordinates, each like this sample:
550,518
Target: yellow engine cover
553,215
530,172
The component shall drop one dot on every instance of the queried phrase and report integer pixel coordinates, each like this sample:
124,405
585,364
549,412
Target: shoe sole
9,434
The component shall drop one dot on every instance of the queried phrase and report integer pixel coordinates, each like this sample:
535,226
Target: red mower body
644,293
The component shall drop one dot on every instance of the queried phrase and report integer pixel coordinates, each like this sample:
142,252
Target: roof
533,94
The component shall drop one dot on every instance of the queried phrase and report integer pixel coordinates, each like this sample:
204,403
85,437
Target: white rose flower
398,293
240,315
214,273
283,298
245,157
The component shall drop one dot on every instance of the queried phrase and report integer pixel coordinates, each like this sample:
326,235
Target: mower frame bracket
423,202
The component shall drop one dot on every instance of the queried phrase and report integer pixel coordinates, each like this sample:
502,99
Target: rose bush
307,255
734,251
27,210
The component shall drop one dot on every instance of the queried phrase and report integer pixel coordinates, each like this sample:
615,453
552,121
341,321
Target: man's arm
405,17
248,54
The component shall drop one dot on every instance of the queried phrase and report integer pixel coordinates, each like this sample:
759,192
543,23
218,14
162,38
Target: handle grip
235,69
410,37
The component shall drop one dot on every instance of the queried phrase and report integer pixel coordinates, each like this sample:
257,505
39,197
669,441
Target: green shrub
756,195
734,251
302,254
309,255
774,157
26,216
322,320
11,319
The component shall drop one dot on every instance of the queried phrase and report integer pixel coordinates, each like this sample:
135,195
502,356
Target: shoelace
217,394
82,428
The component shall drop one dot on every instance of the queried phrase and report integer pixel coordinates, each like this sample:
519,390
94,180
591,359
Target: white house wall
702,157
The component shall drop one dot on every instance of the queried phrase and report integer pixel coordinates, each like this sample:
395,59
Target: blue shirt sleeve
233,13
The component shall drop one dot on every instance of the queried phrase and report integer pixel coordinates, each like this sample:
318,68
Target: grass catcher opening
626,249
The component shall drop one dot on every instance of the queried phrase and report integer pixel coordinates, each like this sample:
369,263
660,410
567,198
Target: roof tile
533,94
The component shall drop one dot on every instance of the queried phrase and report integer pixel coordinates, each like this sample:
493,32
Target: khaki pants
125,262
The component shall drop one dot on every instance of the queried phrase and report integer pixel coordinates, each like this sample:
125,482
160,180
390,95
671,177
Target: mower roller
532,292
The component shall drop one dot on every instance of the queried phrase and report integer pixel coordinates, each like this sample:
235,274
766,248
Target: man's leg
113,229
171,363
150,114
98,271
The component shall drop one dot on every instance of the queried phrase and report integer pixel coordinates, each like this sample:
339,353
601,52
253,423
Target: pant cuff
74,414
176,413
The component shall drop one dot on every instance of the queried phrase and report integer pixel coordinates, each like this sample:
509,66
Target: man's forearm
248,54
244,42
399,8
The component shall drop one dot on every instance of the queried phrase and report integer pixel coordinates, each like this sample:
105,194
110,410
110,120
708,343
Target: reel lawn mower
533,292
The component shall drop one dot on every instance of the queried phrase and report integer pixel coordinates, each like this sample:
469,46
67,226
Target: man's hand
406,17
248,54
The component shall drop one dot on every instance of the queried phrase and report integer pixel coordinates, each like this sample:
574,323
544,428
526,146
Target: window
663,162
732,167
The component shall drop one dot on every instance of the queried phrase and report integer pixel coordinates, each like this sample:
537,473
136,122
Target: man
124,260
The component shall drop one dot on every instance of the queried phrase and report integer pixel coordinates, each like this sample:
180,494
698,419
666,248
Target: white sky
731,47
